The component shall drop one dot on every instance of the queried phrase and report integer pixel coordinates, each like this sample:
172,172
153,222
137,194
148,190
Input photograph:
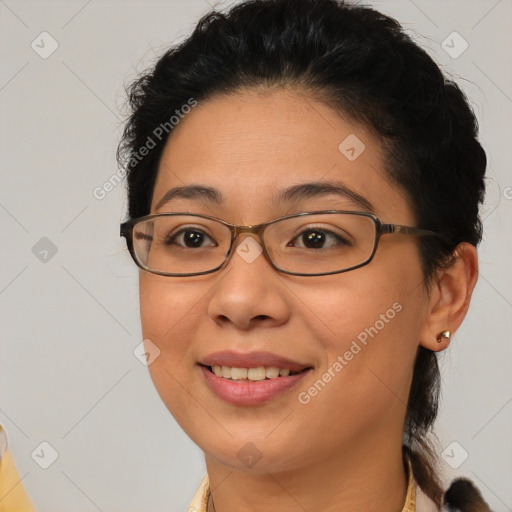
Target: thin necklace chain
215,510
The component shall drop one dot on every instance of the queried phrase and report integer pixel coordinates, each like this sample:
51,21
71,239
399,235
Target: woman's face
354,334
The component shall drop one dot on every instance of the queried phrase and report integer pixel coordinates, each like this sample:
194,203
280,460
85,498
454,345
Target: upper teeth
258,373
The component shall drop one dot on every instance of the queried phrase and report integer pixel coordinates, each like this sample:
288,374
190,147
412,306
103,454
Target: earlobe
449,298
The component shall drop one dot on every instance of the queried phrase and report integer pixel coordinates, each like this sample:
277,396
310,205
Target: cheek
167,308
369,333
365,305
169,312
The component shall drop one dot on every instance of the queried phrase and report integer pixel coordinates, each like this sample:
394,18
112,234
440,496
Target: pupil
193,239
313,239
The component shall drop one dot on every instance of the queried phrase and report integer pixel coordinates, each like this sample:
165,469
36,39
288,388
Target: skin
342,450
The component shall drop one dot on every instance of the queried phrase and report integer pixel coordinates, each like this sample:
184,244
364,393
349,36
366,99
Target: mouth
253,374
252,378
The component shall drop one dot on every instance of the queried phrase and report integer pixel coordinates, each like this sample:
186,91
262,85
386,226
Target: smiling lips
250,379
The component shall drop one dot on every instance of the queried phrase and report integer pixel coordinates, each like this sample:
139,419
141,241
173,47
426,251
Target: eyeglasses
304,244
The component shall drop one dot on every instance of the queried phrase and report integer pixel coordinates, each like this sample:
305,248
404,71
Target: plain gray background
69,321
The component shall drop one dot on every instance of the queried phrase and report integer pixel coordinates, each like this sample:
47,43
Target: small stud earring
445,334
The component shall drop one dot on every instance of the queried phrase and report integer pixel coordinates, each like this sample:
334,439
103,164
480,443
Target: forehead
251,145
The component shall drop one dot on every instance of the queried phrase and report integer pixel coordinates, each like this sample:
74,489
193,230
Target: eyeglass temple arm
405,230
124,229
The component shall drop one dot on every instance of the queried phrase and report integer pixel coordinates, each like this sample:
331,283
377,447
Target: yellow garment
13,497
200,501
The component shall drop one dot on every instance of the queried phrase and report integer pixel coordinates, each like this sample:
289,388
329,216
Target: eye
190,238
316,238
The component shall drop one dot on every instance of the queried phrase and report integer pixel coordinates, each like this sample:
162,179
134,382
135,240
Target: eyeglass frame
126,231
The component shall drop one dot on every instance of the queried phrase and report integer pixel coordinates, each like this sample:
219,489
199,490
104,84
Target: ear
449,297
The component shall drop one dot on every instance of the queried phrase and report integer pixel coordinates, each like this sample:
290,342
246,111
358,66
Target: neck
374,478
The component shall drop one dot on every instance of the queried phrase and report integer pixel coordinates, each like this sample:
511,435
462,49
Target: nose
249,292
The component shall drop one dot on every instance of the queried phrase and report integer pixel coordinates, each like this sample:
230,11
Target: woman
303,199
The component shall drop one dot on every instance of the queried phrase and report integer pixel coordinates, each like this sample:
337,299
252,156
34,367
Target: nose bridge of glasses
238,230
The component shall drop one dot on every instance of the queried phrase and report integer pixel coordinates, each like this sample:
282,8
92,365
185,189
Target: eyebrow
295,193
196,192
319,189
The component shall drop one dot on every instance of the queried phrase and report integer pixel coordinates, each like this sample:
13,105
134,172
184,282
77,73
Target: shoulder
12,492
